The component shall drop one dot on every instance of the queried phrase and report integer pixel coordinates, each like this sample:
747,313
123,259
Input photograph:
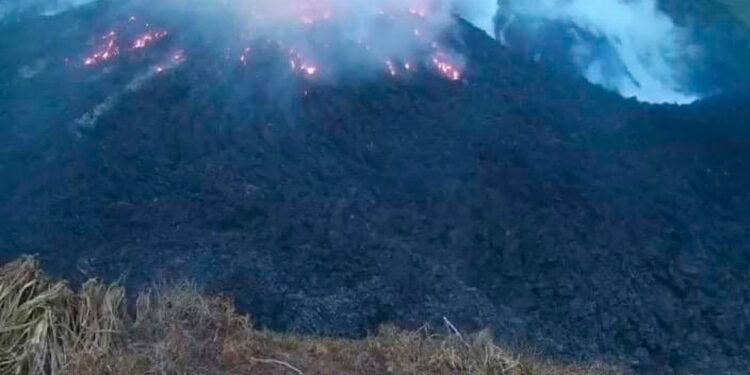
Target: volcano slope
518,198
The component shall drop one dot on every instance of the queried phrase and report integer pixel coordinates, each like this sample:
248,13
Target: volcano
470,182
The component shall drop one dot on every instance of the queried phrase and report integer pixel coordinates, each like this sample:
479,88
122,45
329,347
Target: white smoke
41,7
89,119
481,13
651,54
352,37
341,37
646,56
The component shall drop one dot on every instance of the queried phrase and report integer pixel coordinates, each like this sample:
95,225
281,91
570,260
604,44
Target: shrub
47,329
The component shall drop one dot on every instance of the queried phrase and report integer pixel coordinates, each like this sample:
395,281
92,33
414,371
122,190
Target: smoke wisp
43,7
627,46
630,46
327,39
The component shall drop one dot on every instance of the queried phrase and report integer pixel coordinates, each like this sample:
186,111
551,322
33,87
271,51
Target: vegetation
46,328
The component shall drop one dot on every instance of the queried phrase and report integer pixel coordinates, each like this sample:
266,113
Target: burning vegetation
398,42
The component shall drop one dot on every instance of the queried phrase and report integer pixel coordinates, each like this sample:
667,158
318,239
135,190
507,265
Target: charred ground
519,198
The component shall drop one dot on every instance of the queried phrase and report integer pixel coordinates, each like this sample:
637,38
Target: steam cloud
345,37
646,54
44,7
629,46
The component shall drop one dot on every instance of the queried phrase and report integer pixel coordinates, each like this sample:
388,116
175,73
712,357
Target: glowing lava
112,43
298,63
391,68
446,69
245,55
106,51
321,55
144,40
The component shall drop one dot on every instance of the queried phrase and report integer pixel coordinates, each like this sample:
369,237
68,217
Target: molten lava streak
107,50
127,38
298,63
446,69
150,37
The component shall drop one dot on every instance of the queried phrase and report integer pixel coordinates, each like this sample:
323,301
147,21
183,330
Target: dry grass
44,325
176,330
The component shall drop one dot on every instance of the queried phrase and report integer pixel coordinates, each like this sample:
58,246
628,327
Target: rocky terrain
520,198
175,329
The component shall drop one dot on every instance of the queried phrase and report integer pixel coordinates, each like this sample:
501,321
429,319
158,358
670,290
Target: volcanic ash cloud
647,55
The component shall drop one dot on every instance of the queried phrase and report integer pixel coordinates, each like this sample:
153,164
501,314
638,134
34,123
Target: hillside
518,197
49,329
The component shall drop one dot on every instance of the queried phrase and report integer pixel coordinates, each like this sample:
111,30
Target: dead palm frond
43,323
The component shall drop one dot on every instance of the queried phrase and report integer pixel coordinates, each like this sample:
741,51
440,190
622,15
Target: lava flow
150,37
314,43
126,37
107,50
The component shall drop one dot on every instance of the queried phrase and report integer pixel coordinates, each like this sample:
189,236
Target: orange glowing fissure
441,63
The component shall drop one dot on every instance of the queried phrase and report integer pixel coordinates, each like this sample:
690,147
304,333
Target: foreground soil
49,329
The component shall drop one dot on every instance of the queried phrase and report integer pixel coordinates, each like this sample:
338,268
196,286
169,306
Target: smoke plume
43,7
627,46
334,38
630,46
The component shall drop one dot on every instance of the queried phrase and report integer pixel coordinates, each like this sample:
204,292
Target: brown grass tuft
44,326
47,329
